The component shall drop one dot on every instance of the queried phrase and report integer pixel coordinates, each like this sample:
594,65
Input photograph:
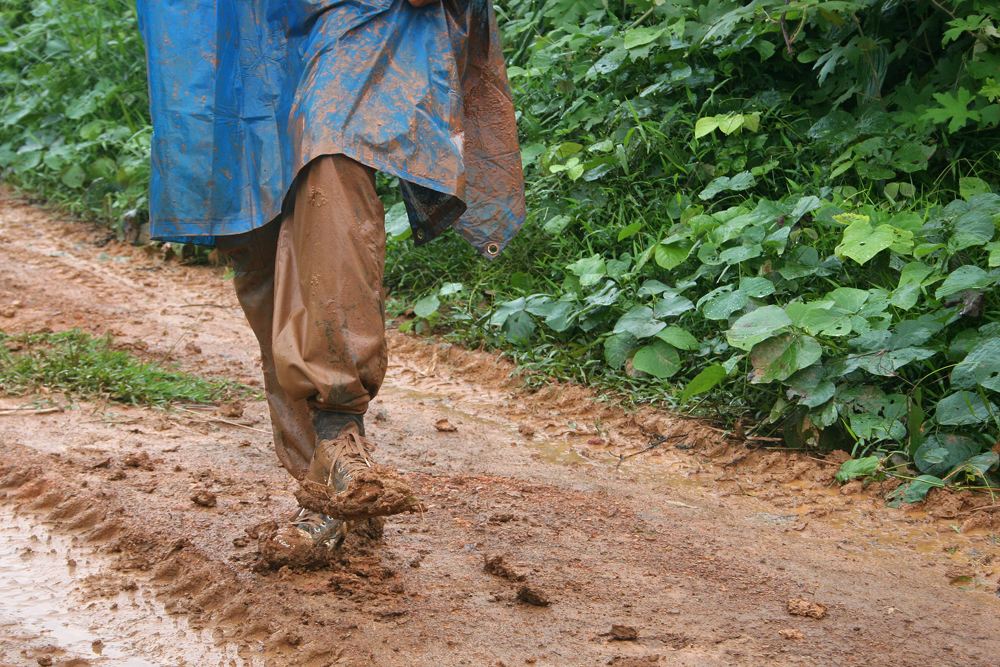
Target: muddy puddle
56,609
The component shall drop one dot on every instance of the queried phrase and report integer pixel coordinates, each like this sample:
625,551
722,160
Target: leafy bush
787,204
74,112
783,209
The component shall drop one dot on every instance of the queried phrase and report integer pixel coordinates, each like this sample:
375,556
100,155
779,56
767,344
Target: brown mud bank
537,544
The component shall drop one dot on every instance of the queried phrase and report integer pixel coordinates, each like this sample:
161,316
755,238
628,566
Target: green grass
89,368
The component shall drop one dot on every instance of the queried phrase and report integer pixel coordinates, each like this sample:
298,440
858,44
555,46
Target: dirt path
105,559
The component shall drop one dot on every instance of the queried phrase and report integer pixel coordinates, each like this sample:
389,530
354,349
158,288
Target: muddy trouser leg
311,288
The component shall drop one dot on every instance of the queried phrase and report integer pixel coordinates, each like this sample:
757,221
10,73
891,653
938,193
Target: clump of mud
374,492
801,607
498,565
361,539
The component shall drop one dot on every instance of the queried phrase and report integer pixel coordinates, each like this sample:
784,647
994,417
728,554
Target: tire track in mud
702,572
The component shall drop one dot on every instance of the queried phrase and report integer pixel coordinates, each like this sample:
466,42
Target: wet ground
711,555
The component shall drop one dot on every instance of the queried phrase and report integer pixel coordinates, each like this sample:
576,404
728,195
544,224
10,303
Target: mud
699,550
373,492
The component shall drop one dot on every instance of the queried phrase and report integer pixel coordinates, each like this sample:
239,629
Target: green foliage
805,190
786,209
91,368
74,114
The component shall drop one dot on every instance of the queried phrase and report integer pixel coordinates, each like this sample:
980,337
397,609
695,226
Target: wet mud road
535,548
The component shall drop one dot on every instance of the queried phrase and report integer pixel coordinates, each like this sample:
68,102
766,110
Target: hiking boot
344,481
338,460
308,529
307,540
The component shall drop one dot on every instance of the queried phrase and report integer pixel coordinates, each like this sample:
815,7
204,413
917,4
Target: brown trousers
310,284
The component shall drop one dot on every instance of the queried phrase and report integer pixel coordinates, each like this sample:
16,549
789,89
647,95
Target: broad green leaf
539,305
589,269
679,338
964,278
73,177
848,299
942,452
911,157
994,259
868,427
506,309
672,306
605,297
757,326
740,253
887,362
805,205
914,491
861,242
703,381
910,280
450,288
641,36
530,153
567,149
561,317
705,125
653,287
659,360
741,181
629,230
672,255
757,287
518,327
731,123
640,322
964,408
397,223
617,268
617,348
978,465
852,468
969,186
981,367
953,110
974,228
779,357
556,225
722,306
426,306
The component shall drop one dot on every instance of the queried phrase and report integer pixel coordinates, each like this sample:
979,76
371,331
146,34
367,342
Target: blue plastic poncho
244,93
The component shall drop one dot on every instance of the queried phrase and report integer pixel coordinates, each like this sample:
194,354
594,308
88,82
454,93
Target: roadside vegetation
779,213
83,367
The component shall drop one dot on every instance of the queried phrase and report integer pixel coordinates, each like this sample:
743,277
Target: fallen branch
25,411
680,438
223,421
978,509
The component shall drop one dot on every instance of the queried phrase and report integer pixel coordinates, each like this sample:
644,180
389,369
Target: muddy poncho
244,94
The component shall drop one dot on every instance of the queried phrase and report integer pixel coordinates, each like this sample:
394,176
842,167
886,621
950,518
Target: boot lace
313,522
350,453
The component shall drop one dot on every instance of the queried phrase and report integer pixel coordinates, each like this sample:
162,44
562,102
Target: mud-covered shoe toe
344,481
308,539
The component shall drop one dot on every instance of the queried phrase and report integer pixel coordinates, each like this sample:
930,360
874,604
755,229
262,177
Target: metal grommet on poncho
493,250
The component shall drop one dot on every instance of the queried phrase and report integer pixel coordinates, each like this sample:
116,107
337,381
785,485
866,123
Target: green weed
84,367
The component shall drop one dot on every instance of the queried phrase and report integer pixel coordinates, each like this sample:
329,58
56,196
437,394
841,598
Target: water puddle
49,610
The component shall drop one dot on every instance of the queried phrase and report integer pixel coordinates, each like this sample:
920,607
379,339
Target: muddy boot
309,538
345,483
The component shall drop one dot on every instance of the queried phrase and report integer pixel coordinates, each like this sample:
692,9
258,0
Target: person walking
270,120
